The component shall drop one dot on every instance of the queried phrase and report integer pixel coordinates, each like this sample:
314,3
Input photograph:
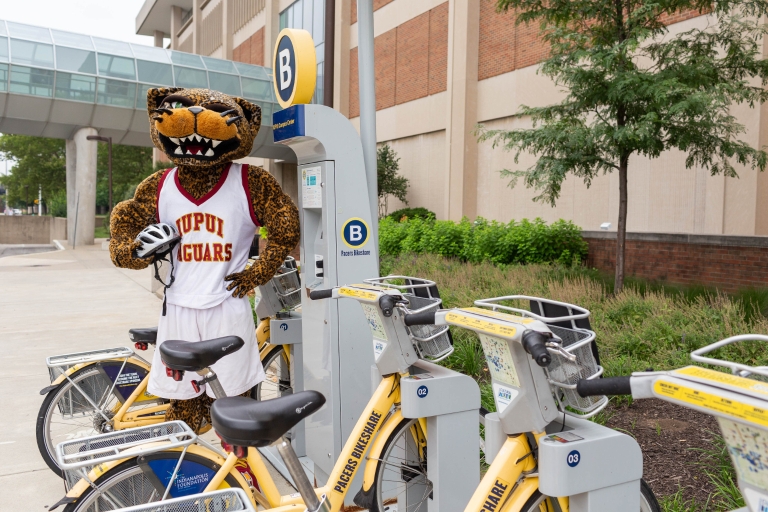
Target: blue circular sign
574,458
285,64
422,391
355,233
283,326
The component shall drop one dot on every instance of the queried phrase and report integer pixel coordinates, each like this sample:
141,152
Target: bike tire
404,480
131,486
94,382
45,438
540,503
278,378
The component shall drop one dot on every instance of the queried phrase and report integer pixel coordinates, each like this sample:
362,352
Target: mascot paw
242,283
124,255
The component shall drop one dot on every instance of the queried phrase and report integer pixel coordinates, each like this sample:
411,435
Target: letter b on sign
355,233
286,73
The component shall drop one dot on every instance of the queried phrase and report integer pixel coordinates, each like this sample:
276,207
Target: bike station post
337,247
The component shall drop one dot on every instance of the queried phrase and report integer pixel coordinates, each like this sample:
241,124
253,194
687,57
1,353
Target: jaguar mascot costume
215,206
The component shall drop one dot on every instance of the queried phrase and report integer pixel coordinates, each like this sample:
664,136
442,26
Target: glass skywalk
48,76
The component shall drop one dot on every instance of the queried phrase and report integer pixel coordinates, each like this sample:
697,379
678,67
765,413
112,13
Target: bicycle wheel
540,503
401,481
141,480
278,375
66,413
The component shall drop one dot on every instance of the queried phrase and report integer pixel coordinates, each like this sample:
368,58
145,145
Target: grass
645,326
101,232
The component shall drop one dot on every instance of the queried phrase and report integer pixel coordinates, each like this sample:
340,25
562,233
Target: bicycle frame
363,439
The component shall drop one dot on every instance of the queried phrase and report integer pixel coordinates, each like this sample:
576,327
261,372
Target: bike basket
58,365
78,456
225,500
433,342
564,374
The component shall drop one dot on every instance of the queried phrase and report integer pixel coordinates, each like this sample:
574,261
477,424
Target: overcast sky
113,19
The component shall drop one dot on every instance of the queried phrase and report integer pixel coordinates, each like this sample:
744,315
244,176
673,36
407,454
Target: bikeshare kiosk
338,247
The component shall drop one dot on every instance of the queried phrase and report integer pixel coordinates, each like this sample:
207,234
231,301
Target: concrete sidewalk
54,303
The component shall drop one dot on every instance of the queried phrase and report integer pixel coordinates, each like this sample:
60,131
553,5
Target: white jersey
216,234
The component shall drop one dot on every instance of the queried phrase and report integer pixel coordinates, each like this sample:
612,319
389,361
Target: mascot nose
195,110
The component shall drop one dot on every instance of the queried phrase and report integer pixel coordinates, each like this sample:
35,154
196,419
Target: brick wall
411,61
505,46
251,51
727,262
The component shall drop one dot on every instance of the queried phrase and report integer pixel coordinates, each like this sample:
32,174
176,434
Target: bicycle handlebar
424,318
535,343
608,386
321,294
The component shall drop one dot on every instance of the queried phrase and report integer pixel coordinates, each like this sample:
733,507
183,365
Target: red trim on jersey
248,195
159,188
207,196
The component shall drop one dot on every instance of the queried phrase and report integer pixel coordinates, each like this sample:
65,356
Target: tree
130,165
389,182
634,89
40,161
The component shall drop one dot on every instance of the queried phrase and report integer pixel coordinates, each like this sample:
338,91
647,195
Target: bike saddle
242,421
196,355
143,335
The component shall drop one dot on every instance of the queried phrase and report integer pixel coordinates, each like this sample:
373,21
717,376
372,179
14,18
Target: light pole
108,140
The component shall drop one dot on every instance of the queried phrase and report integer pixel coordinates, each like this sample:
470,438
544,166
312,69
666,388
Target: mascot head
201,128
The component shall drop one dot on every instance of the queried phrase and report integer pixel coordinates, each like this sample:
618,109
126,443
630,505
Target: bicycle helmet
157,240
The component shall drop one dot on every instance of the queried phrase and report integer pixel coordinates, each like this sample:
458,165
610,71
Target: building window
310,16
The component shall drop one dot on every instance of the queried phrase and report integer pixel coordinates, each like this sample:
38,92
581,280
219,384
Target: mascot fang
204,213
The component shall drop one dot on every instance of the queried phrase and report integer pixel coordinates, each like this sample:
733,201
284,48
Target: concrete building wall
442,67
422,161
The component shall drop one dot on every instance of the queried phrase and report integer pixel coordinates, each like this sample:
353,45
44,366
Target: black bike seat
242,421
143,335
196,355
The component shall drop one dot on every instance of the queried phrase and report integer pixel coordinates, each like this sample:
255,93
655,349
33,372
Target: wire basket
78,456
564,373
226,500
432,342
286,284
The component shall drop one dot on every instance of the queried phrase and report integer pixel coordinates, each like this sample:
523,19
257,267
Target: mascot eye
174,104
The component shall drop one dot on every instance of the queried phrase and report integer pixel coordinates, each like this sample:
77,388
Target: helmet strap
158,262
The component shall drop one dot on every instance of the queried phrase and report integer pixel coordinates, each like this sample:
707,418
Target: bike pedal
195,386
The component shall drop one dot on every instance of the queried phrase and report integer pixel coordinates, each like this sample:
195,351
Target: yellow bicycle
103,391
137,466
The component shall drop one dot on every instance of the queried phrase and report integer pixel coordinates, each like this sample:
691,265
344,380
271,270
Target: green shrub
411,213
57,204
502,244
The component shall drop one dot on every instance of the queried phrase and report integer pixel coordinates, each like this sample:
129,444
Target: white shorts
238,372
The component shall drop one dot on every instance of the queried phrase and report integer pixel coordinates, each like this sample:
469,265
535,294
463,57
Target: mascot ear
156,95
252,113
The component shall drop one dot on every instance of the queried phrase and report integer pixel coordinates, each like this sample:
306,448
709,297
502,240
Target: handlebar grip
424,318
608,386
535,343
321,294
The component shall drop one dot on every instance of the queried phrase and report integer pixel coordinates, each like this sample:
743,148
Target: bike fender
262,331
73,369
378,446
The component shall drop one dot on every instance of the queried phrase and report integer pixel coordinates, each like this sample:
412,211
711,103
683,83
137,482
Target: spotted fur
171,119
195,412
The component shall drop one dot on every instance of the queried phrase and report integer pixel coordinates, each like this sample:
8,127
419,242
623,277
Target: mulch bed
669,436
